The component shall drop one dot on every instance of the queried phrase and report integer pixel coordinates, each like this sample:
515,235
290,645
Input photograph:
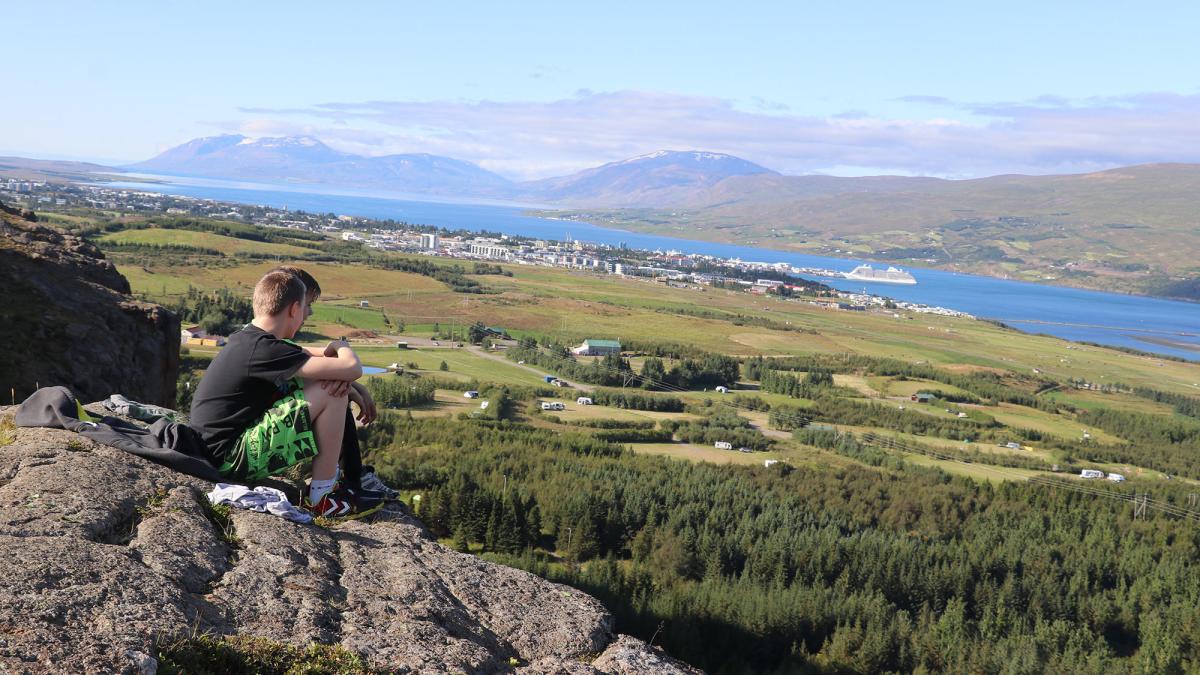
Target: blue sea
1107,318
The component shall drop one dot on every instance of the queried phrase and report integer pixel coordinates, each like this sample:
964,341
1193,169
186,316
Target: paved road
578,386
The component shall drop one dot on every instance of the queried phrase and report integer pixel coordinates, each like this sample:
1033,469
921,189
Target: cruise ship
891,275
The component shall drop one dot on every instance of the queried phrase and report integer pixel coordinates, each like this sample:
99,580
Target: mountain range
305,159
657,179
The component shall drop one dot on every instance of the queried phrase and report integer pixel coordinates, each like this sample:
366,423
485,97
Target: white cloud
526,139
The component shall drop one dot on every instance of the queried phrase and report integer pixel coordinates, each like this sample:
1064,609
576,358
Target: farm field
576,412
701,453
209,240
976,471
573,305
1057,425
339,282
463,364
447,404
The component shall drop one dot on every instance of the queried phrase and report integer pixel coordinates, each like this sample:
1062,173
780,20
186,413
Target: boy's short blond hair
276,291
310,284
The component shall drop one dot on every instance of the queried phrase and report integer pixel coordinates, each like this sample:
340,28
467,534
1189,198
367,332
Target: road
577,386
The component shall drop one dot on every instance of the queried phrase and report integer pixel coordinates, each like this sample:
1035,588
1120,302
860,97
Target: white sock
319,488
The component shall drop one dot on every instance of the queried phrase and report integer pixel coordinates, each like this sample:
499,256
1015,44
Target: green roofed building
597,348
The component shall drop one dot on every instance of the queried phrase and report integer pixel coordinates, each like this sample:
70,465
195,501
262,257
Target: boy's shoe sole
344,504
355,515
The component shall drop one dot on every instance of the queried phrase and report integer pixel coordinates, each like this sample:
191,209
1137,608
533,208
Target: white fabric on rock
263,499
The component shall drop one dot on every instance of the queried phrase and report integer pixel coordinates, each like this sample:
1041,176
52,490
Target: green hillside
1133,229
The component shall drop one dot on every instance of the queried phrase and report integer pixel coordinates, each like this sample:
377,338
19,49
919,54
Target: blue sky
955,89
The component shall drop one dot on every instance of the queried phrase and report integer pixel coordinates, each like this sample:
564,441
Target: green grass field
1057,425
463,363
350,316
977,471
226,245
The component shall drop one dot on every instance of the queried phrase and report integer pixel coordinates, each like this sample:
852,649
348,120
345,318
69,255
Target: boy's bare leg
328,414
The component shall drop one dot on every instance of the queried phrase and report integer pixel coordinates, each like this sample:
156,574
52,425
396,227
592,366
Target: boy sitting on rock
266,404
362,479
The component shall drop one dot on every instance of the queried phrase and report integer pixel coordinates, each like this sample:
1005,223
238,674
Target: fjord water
1150,324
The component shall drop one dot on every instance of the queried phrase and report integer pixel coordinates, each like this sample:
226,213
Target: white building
487,250
592,347
430,242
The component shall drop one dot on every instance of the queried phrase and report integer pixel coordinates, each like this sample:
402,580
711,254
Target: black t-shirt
244,380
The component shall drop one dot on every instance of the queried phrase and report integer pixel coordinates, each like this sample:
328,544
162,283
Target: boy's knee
319,397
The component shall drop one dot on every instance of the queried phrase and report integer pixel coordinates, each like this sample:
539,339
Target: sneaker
371,482
344,504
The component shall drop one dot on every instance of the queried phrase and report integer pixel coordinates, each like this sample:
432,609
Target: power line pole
1139,505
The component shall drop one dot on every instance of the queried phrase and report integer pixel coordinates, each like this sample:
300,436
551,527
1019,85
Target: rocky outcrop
108,556
67,320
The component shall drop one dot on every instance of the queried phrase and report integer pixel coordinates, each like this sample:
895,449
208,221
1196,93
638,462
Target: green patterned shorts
281,439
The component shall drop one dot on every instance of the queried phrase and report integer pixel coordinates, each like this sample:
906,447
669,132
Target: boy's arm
342,365
367,412
328,350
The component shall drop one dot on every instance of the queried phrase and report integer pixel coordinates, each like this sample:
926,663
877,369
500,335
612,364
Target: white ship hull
881,280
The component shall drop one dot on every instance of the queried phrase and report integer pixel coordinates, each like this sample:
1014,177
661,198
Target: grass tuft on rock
8,431
221,516
217,655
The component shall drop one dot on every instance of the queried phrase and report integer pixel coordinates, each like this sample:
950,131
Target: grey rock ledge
107,556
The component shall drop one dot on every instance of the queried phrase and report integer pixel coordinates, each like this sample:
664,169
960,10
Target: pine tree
461,544
533,521
508,533
653,373
493,528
